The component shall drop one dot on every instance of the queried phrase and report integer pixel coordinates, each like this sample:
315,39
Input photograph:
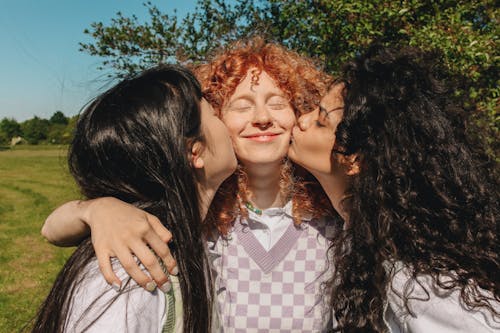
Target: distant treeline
58,129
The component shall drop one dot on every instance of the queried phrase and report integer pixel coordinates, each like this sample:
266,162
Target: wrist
93,207
86,207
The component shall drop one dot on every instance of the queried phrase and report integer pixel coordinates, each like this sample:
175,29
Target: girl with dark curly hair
418,250
269,249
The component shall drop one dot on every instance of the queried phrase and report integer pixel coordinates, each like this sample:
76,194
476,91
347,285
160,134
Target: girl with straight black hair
145,142
418,249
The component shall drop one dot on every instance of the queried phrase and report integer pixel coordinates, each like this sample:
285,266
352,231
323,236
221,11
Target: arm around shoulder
66,225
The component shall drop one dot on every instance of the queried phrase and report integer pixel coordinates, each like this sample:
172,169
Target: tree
35,130
62,133
465,32
128,45
9,128
58,118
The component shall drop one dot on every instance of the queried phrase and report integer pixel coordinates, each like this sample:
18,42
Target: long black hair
422,197
132,143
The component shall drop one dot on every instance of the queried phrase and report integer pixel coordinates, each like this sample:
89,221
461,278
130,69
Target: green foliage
56,130
55,133
128,45
61,128
58,118
465,32
9,128
35,130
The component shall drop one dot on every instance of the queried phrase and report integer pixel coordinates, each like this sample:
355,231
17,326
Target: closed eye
277,102
241,106
277,106
319,124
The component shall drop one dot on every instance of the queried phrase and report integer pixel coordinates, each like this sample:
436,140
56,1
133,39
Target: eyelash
277,106
241,108
319,124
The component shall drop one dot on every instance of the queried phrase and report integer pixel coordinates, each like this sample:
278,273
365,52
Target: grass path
32,183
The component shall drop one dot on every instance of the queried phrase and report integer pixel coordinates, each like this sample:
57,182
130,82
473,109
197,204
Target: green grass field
33,181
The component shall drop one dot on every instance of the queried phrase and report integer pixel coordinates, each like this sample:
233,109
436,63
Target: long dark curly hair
423,197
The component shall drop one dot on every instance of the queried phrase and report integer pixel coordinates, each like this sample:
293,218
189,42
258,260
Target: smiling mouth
263,137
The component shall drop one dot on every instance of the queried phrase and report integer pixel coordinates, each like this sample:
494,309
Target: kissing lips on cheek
314,136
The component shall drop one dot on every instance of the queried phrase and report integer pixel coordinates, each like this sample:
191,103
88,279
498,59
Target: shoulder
326,226
96,305
434,310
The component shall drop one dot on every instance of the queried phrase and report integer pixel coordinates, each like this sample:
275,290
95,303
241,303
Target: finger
159,228
152,264
163,251
130,265
104,261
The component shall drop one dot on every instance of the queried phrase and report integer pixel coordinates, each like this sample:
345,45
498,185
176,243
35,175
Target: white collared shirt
269,226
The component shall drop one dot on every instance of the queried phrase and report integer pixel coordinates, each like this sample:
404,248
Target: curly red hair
303,84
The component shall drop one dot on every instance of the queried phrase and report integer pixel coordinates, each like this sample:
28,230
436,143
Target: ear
353,164
195,156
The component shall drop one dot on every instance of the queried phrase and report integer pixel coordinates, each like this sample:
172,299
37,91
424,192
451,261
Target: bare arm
65,226
118,230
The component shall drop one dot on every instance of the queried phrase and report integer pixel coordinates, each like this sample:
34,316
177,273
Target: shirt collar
258,221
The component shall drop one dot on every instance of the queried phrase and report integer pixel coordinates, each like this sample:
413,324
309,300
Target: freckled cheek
234,125
285,118
288,123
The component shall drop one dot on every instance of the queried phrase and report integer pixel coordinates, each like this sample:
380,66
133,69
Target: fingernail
116,287
175,271
150,286
166,287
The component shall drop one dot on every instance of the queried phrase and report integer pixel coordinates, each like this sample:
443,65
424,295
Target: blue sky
41,69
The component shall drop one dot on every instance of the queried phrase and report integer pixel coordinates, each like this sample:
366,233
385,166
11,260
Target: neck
206,193
206,197
335,188
264,184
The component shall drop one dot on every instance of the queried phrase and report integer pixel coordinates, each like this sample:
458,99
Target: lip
262,137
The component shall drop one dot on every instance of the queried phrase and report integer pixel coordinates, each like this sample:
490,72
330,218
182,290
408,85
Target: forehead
255,83
333,97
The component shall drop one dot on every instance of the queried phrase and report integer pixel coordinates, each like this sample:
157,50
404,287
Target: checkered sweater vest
279,290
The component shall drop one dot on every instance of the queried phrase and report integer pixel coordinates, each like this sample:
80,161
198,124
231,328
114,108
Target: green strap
169,325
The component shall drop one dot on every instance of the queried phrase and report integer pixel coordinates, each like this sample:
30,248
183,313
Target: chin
266,159
297,160
292,153
292,157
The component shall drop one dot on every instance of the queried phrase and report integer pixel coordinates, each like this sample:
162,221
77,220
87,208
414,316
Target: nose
262,117
305,120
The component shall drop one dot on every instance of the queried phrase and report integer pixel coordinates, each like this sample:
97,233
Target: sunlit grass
33,181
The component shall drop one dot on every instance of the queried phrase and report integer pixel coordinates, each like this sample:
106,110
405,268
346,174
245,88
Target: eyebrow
267,95
327,112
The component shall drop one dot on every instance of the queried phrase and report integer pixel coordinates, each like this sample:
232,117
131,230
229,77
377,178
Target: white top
136,310
269,226
439,311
